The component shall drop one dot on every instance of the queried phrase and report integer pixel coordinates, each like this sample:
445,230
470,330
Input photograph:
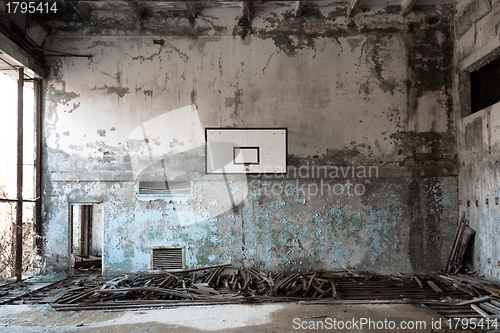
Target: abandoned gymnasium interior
212,152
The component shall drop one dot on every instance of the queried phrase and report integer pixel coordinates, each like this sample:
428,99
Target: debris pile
227,284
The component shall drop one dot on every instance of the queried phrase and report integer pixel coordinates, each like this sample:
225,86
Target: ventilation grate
167,258
162,188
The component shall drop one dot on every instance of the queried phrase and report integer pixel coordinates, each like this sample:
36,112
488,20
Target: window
484,86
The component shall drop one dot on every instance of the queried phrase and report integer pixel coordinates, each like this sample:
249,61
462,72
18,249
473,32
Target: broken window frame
465,82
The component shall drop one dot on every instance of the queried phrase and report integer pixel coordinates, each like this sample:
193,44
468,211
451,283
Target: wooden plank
334,290
490,307
434,287
15,294
418,281
474,301
479,310
79,296
452,254
486,285
54,298
435,312
152,289
462,238
310,281
466,236
205,288
464,289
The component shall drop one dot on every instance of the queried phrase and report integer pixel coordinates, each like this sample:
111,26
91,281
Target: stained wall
372,181
479,144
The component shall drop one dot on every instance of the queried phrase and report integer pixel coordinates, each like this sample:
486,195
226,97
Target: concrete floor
277,317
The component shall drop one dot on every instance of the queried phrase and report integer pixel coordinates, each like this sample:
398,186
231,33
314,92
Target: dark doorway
86,235
484,86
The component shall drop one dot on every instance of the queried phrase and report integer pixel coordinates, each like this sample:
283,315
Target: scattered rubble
228,284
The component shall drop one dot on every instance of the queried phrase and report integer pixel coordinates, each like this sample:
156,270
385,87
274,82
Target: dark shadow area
484,86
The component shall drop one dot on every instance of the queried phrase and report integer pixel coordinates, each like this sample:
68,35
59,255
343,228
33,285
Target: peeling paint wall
479,146
374,91
480,185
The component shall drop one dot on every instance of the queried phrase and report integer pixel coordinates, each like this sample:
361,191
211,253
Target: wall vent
168,258
162,188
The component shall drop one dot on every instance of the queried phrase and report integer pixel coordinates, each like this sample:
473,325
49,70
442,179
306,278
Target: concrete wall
479,145
373,91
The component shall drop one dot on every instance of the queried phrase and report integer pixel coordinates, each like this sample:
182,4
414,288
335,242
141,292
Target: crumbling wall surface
479,144
372,181
480,185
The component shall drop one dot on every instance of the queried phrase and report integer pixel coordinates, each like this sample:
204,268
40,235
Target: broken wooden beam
480,311
434,287
152,289
418,281
490,307
474,301
334,290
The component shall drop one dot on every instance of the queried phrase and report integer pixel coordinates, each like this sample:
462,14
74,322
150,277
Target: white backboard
251,150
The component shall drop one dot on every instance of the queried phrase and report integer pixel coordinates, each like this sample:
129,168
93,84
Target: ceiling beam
136,9
82,9
407,6
298,8
352,7
192,12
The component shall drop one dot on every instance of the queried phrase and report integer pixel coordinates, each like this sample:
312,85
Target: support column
19,207
38,166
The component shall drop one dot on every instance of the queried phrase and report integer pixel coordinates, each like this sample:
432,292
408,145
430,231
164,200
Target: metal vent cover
167,258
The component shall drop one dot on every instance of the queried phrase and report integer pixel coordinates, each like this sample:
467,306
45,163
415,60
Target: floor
275,317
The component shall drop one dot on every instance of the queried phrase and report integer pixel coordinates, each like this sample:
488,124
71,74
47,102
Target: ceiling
193,7
28,31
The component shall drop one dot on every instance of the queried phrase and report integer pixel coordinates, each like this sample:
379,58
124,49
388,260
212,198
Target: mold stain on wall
345,98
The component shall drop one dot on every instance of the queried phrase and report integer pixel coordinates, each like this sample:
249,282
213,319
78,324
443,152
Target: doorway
86,234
